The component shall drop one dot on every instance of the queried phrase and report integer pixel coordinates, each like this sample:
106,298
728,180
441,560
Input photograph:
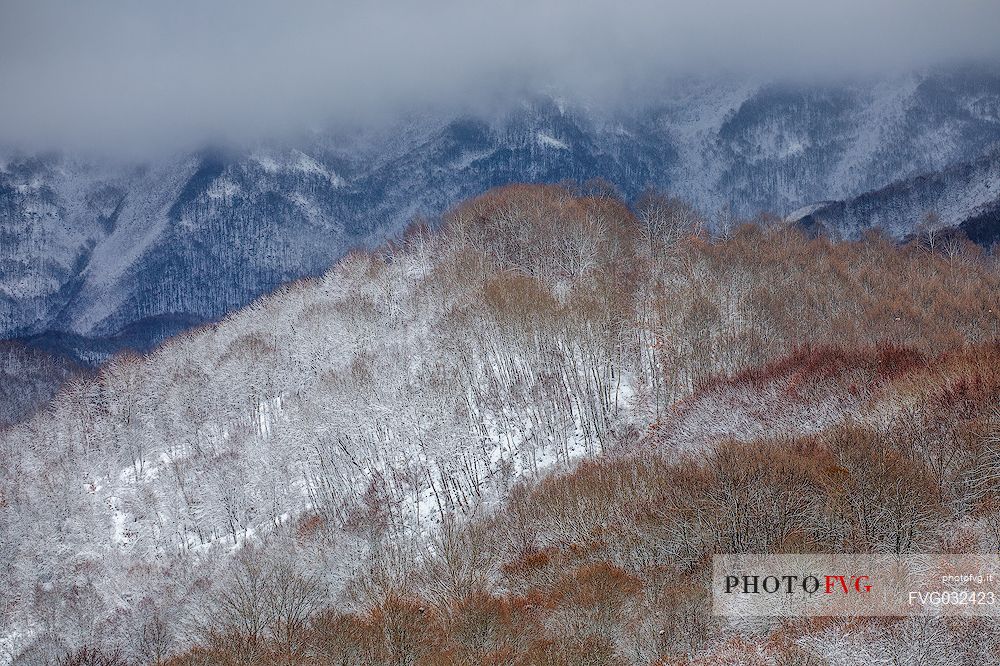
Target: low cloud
105,73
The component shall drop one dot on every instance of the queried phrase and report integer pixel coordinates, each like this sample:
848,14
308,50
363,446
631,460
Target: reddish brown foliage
607,564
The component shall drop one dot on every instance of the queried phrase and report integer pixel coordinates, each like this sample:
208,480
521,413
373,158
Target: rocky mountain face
96,256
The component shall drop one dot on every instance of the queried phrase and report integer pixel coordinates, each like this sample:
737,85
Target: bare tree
930,229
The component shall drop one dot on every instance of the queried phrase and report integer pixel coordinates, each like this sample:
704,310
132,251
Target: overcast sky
106,71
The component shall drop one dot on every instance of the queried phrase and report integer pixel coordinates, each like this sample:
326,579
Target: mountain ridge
964,196
91,248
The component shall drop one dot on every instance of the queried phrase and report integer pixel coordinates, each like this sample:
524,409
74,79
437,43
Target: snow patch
547,141
266,162
307,164
807,210
223,188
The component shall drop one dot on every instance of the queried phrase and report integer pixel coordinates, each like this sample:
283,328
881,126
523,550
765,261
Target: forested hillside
492,443
29,378
105,254
965,197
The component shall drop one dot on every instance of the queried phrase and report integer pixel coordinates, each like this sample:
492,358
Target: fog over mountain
162,164
124,251
119,76
452,333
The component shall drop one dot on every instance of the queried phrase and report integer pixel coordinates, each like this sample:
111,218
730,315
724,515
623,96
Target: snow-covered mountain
344,426
98,255
965,196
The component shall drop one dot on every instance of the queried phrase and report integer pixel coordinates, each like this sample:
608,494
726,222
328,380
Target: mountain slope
343,424
29,378
137,252
964,196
